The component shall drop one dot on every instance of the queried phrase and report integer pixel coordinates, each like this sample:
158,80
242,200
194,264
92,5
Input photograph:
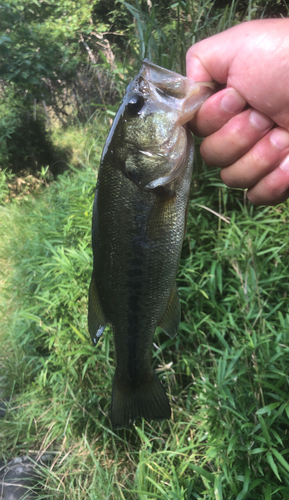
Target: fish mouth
179,92
184,97
176,94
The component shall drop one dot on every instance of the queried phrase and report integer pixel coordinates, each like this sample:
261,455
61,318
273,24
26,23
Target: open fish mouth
176,90
171,91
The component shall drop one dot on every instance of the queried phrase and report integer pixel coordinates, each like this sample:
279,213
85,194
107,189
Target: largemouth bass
139,219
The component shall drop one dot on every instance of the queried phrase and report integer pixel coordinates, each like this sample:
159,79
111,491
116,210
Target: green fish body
139,219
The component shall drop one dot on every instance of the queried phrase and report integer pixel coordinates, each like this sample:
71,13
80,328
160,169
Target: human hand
246,125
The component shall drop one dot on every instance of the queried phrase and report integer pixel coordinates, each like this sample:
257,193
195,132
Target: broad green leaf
218,488
268,408
208,475
265,431
280,458
272,464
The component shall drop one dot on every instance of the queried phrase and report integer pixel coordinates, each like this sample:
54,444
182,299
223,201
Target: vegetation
226,372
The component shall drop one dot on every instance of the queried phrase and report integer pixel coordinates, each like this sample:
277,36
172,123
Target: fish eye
135,103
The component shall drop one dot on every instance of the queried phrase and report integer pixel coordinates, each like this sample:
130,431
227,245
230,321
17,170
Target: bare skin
246,125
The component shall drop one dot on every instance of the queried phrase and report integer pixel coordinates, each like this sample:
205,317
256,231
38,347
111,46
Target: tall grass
164,34
226,372
166,42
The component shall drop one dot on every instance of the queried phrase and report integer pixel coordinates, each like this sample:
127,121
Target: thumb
195,66
211,58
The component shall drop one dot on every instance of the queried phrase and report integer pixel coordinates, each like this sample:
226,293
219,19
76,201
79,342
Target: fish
138,226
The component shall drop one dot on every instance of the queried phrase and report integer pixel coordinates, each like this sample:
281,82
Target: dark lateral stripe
135,286
134,273
136,262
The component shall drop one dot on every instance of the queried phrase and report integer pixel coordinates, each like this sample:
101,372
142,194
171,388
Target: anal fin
172,317
96,318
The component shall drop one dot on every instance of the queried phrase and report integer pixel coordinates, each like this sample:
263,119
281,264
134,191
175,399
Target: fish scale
138,227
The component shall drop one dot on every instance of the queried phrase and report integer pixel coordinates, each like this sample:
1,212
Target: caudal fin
130,401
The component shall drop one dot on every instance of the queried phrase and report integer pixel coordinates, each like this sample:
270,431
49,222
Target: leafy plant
226,371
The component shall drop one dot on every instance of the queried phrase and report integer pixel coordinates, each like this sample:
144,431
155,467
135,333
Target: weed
226,371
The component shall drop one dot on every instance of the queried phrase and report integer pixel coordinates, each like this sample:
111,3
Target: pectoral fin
172,317
96,319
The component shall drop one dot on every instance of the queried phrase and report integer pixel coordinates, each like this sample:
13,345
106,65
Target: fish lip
147,151
175,89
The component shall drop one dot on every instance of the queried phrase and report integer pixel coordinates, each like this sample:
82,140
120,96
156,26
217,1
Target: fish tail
133,400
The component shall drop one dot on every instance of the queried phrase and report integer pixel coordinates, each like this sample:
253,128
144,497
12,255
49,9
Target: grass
226,372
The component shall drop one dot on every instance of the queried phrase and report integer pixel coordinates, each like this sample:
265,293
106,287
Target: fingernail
280,138
285,164
233,102
259,120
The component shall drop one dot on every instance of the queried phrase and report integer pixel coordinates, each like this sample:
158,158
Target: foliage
226,371
163,32
40,44
5,177
25,142
54,63
50,51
